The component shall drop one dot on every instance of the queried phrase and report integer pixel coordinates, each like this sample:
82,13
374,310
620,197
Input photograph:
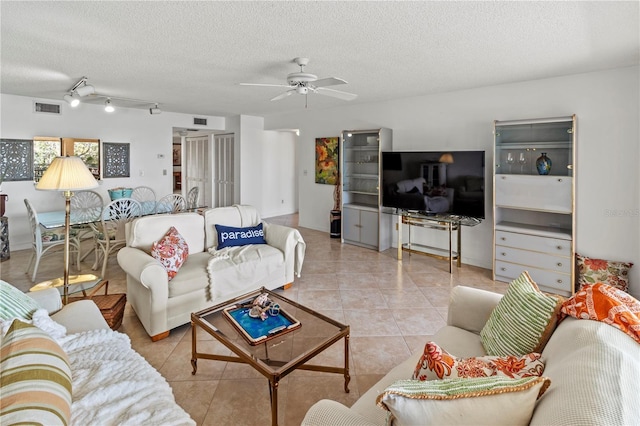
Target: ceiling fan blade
264,85
331,81
336,93
283,95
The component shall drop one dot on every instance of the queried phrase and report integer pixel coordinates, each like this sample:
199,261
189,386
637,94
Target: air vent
46,108
200,121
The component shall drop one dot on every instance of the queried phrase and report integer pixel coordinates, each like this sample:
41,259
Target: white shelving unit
534,214
363,222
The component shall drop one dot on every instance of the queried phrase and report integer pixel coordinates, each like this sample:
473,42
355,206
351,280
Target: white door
223,180
195,168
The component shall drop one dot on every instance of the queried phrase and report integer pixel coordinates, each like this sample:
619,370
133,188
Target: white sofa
162,304
594,370
111,383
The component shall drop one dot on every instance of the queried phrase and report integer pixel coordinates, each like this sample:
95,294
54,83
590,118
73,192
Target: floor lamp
67,174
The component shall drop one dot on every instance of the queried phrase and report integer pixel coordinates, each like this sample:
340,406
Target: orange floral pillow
601,302
436,363
592,271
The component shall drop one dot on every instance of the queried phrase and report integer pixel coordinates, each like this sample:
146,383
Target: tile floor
392,307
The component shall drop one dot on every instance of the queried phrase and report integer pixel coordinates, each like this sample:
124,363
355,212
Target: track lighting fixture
108,107
85,90
72,99
155,110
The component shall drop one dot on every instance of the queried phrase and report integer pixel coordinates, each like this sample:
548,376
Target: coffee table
280,355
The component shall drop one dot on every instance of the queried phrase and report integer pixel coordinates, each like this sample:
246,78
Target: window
46,149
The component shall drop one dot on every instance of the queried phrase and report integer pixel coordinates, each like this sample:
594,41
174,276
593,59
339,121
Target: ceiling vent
200,121
46,108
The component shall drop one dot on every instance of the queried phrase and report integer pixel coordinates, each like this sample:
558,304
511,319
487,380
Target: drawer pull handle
559,180
559,264
559,247
503,254
503,238
503,177
503,269
559,281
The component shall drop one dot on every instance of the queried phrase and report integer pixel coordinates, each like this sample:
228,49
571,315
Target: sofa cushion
594,368
15,304
230,236
478,401
171,250
35,377
591,271
236,215
144,231
601,302
436,363
523,320
192,275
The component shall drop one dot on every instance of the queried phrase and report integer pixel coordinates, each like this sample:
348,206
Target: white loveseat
111,383
594,370
208,276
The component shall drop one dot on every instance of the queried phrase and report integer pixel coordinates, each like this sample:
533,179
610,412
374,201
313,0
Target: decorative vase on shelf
543,164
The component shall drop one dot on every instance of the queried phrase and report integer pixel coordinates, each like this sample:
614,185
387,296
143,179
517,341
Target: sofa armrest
290,242
48,299
469,308
143,268
83,315
327,412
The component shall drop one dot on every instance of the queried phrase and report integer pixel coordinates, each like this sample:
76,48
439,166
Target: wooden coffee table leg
194,359
347,378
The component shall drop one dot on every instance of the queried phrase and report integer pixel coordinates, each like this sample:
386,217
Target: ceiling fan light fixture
72,99
107,106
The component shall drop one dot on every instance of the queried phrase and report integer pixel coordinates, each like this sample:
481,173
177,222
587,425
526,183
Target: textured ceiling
191,56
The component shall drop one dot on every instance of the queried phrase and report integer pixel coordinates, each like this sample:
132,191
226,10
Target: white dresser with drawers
534,211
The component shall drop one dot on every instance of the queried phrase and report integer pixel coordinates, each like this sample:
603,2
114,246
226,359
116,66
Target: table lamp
67,174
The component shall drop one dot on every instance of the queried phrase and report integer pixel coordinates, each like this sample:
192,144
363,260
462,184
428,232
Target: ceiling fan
304,83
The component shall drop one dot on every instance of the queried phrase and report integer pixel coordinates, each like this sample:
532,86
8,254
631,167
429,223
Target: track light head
107,106
72,99
155,110
85,90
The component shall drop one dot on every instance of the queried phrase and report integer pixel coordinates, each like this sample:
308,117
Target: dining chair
109,232
42,242
192,198
146,197
172,203
86,207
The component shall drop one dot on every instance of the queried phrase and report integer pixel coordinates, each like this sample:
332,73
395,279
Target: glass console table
441,222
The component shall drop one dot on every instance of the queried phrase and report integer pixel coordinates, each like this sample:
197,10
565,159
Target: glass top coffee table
283,352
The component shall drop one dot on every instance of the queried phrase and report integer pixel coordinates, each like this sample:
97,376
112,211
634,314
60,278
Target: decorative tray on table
258,329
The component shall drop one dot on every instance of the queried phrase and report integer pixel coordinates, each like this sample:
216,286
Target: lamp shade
446,158
67,174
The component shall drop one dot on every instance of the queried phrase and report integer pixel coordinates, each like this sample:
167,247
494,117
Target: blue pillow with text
229,236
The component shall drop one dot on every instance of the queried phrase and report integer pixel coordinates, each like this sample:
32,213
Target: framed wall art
116,160
327,153
177,154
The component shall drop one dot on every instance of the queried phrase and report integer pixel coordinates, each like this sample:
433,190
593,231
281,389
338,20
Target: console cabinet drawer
555,246
540,260
540,193
551,281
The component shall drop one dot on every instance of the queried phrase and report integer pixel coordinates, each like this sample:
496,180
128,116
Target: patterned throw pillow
35,377
229,236
523,320
479,401
172,251
436,363
14,303
591,271
600,302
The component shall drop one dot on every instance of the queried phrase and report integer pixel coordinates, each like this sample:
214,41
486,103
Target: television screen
434,182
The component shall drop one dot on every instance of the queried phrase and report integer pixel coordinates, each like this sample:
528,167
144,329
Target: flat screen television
434,182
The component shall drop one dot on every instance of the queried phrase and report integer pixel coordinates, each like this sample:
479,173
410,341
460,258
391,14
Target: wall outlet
141,173
164,172
160,156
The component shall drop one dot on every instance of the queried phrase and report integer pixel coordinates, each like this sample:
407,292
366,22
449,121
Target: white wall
607,105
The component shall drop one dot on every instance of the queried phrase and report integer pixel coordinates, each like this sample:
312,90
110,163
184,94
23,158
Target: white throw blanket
114,385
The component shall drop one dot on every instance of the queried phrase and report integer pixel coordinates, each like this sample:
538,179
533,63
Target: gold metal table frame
280,362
